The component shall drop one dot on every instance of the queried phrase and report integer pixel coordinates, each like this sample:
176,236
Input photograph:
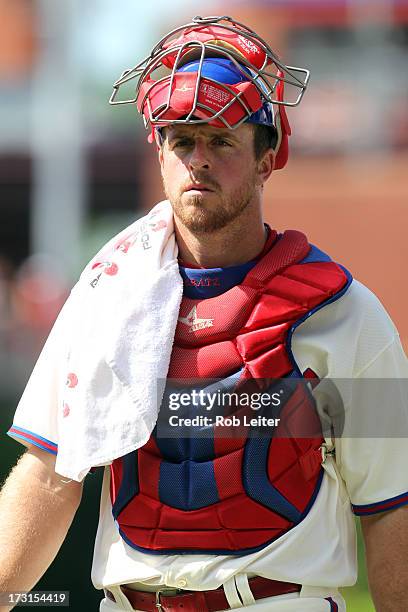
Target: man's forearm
36,511
386,542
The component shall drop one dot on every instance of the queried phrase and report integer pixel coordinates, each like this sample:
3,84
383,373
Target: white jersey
351,338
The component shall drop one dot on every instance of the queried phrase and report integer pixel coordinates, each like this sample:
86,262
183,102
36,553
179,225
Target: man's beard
198,218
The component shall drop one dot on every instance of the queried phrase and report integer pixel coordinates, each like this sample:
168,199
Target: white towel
122,317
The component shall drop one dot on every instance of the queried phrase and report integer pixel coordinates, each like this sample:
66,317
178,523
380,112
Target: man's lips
198,187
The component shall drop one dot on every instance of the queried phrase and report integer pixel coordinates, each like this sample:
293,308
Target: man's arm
386,543
36,510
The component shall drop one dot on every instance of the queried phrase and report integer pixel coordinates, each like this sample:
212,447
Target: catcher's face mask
215,70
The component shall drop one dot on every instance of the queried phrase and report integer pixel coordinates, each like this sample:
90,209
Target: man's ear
160,142
266,165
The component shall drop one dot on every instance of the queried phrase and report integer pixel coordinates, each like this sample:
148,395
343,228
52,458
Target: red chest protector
233,495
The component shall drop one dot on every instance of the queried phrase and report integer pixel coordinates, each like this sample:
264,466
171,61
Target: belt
200,601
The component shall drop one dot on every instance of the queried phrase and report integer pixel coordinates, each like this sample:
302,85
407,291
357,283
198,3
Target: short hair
265,137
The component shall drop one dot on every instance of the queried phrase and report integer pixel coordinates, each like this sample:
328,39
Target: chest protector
233,495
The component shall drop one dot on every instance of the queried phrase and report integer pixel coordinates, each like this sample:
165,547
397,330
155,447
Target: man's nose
199,157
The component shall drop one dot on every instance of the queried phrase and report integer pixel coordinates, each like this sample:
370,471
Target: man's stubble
199,218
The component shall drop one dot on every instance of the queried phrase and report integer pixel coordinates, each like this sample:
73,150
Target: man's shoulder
363,301
342,339
360,304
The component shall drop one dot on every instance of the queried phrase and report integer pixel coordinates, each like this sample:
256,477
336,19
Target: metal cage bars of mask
155,115
155,59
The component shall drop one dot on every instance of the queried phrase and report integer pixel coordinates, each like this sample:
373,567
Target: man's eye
220,142
183,142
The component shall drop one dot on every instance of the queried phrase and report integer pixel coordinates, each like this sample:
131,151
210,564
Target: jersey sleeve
373,465
354,347
37,414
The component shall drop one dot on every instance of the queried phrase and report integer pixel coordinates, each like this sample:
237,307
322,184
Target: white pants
313,600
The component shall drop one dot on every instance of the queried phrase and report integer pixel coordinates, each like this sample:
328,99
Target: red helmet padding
212,95
283,151
219,36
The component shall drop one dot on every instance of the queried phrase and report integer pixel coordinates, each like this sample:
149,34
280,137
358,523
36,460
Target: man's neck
232,245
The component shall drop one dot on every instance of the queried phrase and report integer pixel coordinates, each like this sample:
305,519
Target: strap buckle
161,592
326,452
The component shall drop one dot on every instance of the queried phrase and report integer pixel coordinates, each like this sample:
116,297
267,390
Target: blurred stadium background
73,170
